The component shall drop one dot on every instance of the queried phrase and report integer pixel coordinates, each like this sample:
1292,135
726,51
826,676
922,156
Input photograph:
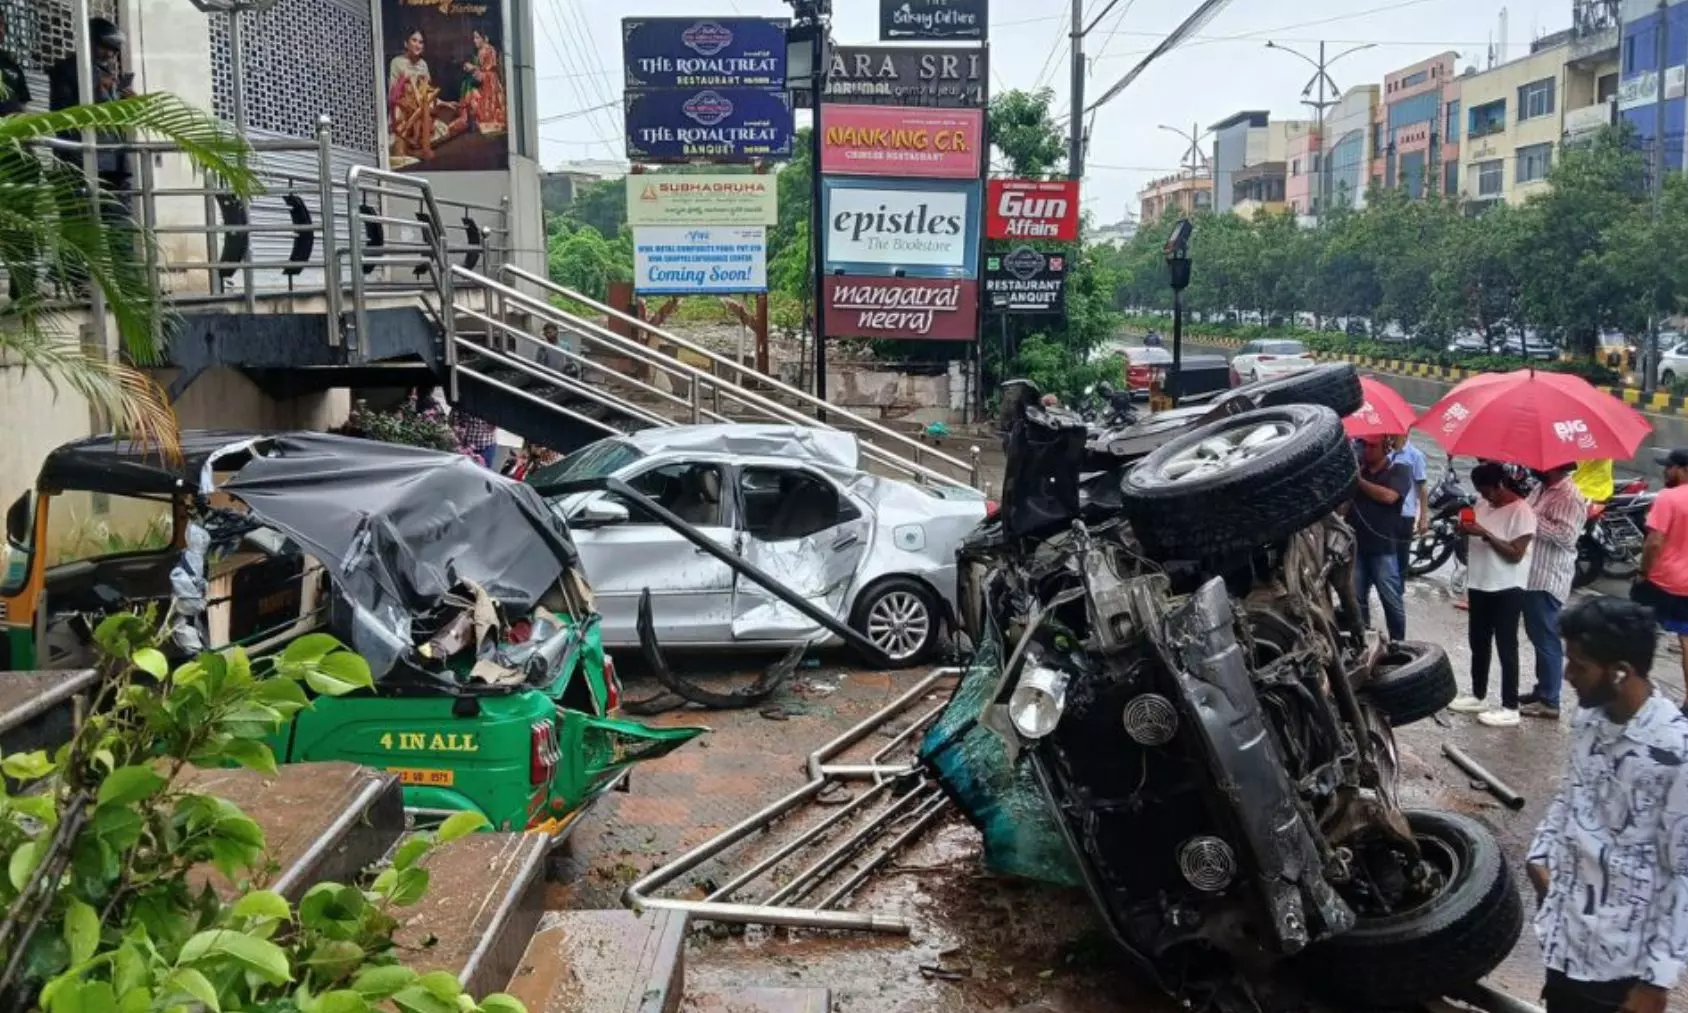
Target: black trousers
1563,995
1404,544
1494,625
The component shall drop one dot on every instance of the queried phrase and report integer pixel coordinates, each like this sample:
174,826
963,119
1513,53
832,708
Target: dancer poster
448,108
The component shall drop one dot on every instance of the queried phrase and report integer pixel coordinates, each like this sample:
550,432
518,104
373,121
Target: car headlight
1037,702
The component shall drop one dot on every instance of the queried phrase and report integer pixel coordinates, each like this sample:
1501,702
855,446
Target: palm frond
129,398
211,145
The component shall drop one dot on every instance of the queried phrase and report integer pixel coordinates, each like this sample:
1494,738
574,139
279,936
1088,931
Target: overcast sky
1223,69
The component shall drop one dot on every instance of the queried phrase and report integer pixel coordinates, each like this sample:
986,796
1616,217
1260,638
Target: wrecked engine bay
1173,703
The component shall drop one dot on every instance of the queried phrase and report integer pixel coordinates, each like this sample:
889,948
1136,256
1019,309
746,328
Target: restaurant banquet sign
446,104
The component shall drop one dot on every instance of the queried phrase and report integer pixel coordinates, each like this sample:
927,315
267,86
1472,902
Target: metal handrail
802,396
698,377
557,379
424,194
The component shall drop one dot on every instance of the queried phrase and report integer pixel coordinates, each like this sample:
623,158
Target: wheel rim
898,624
1446,863
1223,452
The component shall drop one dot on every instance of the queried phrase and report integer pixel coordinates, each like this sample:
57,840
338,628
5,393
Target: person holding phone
1498,530
1609,862
111,83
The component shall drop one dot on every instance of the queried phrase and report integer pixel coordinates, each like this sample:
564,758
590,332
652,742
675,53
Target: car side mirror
20,519
601,513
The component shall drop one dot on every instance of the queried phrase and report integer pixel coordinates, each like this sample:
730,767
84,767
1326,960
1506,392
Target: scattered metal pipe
1495,786
861,729
1485,998
817,871
797,918
923,818
797,843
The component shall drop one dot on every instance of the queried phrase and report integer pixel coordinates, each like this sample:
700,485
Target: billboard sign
663,198
948,78
447,109
1026,281
900,20
704,52
708,124
1032,209
913,309
899,141
881,227
703,260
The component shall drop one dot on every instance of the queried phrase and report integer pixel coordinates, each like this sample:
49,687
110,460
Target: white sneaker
1468,705
1501,718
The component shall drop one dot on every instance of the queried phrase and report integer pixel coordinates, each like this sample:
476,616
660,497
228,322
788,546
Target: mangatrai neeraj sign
907,308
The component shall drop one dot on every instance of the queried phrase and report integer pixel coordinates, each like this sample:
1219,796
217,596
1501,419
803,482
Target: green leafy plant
109,906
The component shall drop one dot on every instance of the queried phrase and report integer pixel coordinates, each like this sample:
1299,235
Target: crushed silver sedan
877,553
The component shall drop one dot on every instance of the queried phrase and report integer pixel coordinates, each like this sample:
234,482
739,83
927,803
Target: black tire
1413,682
897,594
1254,502
1430,551
1401,961
1335,385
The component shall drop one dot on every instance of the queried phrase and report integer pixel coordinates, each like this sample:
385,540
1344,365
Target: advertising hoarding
934,19
1032,209
933,76
661,198
709,124
704,52
922,228
1026,281
447,109
702,260
901,141
912,309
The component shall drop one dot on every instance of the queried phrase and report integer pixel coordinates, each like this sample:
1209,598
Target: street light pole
1320,80
1650,369
1075,124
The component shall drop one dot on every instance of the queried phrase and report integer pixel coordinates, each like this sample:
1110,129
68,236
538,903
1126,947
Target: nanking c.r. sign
1032,209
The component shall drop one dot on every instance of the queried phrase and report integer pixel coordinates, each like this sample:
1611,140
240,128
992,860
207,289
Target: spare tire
1402,960
1239,483
1335,385
1412,682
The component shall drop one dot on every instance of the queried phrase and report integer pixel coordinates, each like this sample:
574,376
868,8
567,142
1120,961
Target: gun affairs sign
914,309
704,53
709,124
1032,209
897,141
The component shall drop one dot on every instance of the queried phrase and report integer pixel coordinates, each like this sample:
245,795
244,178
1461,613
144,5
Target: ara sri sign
948,78
923,229
1026,281
708,125
912,309
704,52
1032,209
900,20
699,261
897,141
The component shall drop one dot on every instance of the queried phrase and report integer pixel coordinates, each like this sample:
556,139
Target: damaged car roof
823,446
124,467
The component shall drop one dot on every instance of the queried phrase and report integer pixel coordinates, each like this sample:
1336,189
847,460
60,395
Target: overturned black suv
1173,704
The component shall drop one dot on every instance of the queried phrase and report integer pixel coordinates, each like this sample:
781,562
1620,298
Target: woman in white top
1498,575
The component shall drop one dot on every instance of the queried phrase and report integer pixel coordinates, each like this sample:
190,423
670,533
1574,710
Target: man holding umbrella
1376,513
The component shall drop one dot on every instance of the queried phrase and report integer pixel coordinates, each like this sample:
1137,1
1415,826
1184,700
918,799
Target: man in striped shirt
1561,513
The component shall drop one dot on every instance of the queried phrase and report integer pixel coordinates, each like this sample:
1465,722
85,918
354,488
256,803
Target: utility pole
1075,124
1320,81
1650,369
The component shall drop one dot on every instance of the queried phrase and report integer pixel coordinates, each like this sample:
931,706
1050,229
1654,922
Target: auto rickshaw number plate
424,777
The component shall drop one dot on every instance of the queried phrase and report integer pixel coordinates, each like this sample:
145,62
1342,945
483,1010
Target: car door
802,529
691,591
1243,361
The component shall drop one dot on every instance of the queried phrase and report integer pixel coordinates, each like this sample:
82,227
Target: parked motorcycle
1442,540
1612,539
1105,407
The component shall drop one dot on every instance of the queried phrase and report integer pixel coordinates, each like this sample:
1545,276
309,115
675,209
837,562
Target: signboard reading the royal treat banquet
1026,281
704,52
880,227
897,141
914,309
1032,209
934,19
663,198
708,125
699,261
948,78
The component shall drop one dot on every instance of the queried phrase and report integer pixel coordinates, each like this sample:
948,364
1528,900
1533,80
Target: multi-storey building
1416,135
1304,155
1641,82
1250,162
1349,142
1513,125
1182,193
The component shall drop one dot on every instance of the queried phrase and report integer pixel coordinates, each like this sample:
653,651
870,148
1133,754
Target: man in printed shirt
1561,512
1610,860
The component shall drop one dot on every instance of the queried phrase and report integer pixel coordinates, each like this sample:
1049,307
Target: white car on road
1673,358
1268,359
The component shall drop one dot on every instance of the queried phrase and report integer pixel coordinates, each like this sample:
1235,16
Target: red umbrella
1537,419
1385,412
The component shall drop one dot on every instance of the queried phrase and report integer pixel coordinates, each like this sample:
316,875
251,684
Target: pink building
1416,129
1302,168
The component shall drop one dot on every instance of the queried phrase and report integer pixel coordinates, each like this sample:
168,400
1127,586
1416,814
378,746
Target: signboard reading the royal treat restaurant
897,141
1026,281
934,19
1032,209
879,227
948,78
914,309
663,198
708,125
704,52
